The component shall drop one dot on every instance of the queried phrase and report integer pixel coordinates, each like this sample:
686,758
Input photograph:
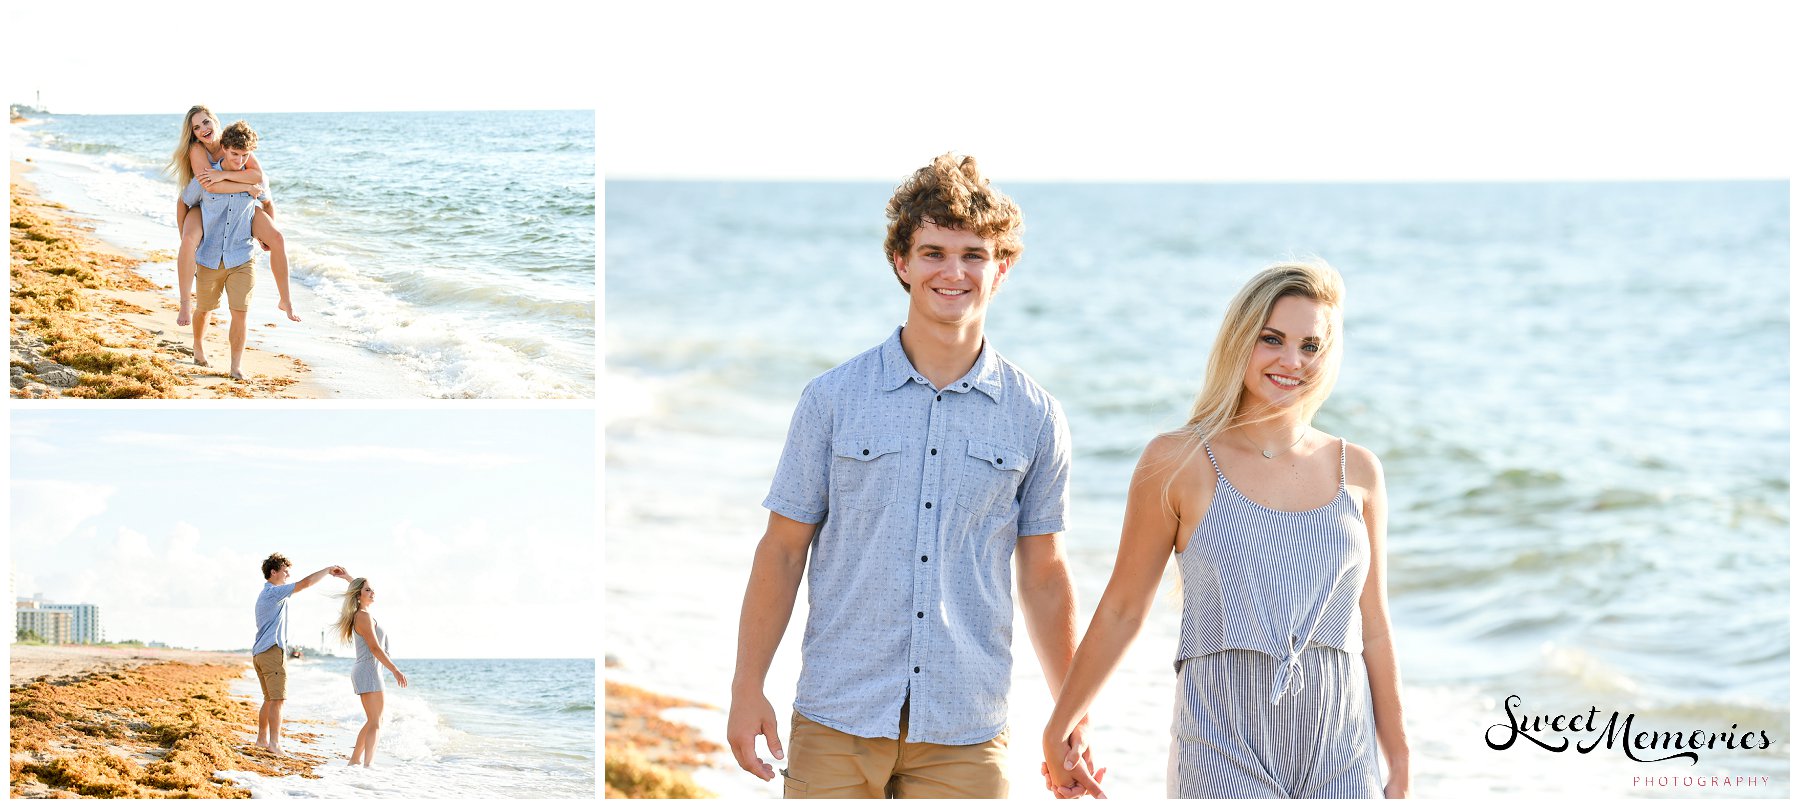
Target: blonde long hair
1216,408
179,165
346,622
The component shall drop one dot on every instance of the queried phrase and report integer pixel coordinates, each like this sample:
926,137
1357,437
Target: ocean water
461,728
445,254
1579,393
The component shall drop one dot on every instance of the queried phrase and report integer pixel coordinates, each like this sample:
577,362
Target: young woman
1285,670
196,160
355,622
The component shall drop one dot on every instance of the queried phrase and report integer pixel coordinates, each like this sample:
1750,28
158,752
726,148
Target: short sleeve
281,591
802,478
190,196
1044,495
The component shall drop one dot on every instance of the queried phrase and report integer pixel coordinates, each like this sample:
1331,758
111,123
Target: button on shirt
225,239
271,617
920,495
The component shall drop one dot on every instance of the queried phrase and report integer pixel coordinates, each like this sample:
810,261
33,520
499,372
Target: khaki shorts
234,283
271,671
827,763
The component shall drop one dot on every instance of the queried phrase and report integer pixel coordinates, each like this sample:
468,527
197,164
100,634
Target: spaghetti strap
1343,464
1215,461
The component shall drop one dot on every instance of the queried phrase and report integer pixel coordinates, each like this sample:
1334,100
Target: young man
224,258
269,652
913,476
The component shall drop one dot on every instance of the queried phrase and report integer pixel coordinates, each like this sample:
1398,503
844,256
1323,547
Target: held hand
399,678
752,716
1082,756
1068,766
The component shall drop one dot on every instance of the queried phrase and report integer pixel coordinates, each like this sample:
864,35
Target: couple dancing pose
919,475
354,624
223,207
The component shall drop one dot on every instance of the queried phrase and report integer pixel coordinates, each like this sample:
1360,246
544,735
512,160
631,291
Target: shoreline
649,755
110,722
72,661
86,325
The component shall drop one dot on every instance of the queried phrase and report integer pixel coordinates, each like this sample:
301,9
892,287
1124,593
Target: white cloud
45,512
237,448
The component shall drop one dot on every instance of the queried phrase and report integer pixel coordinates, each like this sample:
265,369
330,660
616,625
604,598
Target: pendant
1268,453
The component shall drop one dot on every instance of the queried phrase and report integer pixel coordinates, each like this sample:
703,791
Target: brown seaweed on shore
157,731
648,756
51,266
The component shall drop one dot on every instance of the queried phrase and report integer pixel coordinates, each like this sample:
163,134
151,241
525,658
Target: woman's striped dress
1272,698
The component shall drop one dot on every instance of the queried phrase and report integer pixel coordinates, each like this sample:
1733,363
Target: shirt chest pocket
865,472
989,476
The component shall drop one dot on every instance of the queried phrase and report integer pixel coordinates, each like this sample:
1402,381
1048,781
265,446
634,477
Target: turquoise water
1579,393
461,728
457,245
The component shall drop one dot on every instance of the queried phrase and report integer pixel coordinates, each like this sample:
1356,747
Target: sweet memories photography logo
1554,733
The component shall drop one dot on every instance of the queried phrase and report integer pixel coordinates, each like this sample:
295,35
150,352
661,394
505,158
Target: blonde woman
197,161
355,622
1286,681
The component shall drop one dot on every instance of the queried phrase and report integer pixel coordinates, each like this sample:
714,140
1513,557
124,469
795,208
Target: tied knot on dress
1289,678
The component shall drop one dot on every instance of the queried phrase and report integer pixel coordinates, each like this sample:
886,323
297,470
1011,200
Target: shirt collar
897,370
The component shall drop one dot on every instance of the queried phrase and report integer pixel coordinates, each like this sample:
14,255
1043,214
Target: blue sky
477,525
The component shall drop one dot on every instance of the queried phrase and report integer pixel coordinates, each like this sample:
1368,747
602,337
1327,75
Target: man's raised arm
313,579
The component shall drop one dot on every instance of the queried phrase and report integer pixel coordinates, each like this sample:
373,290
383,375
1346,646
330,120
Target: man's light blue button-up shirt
225,240
271,617
920,495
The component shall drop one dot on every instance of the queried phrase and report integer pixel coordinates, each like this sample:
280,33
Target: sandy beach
647,754
85,325
109,722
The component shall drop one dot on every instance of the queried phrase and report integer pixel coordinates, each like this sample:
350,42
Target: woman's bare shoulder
1361,467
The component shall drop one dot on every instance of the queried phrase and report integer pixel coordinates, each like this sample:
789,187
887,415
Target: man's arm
309,581
768,605
1047,597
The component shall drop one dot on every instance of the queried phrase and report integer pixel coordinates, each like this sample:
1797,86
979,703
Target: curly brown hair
275,562
238,136
951,193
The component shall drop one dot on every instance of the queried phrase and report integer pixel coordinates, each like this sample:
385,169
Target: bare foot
288,307
239,376
200,360
185,316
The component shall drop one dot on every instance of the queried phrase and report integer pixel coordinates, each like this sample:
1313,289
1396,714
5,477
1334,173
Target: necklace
1272,454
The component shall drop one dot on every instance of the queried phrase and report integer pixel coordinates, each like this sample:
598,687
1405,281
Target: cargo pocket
865,472
991,475
792,788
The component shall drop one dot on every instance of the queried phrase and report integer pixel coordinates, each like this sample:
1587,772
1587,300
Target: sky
1298,91
477,526
116,57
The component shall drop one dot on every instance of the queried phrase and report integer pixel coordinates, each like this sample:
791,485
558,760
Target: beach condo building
51,625
84,622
